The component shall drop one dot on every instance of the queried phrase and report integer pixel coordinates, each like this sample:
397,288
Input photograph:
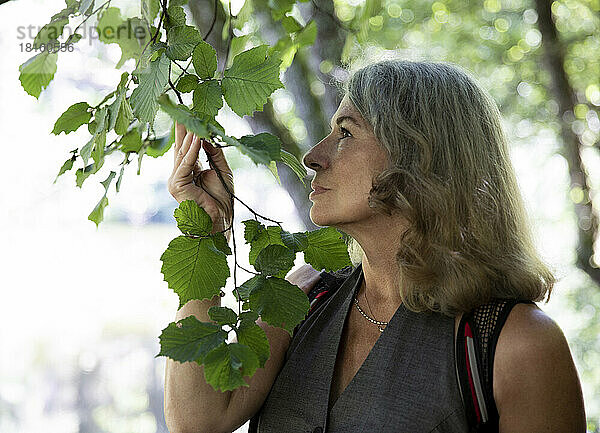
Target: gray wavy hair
469,239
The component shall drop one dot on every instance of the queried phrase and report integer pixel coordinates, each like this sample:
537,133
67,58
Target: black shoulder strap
476,341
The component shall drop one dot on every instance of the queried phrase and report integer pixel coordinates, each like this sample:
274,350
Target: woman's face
345,162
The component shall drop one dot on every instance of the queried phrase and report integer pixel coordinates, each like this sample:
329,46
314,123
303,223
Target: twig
214,20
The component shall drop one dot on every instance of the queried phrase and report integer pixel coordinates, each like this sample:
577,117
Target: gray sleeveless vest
406,384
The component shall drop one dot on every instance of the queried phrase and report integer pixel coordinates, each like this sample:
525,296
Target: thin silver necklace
376,322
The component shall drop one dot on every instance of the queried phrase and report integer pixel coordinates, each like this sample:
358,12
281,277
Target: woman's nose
314,158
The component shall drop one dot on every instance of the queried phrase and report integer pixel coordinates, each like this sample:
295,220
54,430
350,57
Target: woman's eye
345,133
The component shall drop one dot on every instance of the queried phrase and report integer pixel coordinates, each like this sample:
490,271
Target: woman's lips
317,190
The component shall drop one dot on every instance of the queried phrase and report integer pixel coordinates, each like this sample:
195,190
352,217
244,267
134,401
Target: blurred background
82,307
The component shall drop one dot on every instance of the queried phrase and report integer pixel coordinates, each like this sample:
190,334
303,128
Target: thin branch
214,20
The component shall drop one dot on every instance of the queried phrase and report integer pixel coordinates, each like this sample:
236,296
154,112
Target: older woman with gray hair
416,171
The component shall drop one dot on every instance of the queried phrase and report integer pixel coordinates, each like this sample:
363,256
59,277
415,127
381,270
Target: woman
416,171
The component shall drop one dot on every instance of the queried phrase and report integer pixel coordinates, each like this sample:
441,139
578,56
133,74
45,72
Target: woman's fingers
180,132
188,161
217,156
185,146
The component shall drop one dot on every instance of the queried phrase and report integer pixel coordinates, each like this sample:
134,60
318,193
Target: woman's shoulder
535,381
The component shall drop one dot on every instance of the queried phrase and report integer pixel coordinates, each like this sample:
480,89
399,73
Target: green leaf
253,336
98,152
178,2
270,236
83,173
118,184
192,219
124,117
184,115
131,142
246,288
131,34
97,215
190,339
37,72
225,366
160,146
67,165
152,82
251,230
181,42
149,9
307,35
208,98
279,303
86,6
222,315
274,259
75,116
175,17
251,316
250,80
280,7
292,162
187,83
326,250
204,59
295,241
54,29
221,243
261,148
97,137
290,24
194,268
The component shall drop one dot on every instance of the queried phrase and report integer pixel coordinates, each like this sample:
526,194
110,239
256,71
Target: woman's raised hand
189,181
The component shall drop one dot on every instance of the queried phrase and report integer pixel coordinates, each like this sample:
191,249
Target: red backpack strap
475,347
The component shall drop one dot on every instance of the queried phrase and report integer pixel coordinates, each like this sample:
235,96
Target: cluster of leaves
195,267
195,264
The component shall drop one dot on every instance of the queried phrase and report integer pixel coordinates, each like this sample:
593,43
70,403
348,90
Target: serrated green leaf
37,72
204,59
118,184
261,148
274,259
185,116
280,7
246,288
124,117
131,142
67,165
221,243
253,336
295,241
175,17
292,162
251,230
178,2
98,151
181,42
326,250
225,366
194,268
131,34
152,82
279,303
249,316
250,80
222,315
208,98
192,219
270,236
284,50
187,83
190,339
75,116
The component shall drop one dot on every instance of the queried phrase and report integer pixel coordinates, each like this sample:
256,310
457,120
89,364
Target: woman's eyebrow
349,118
